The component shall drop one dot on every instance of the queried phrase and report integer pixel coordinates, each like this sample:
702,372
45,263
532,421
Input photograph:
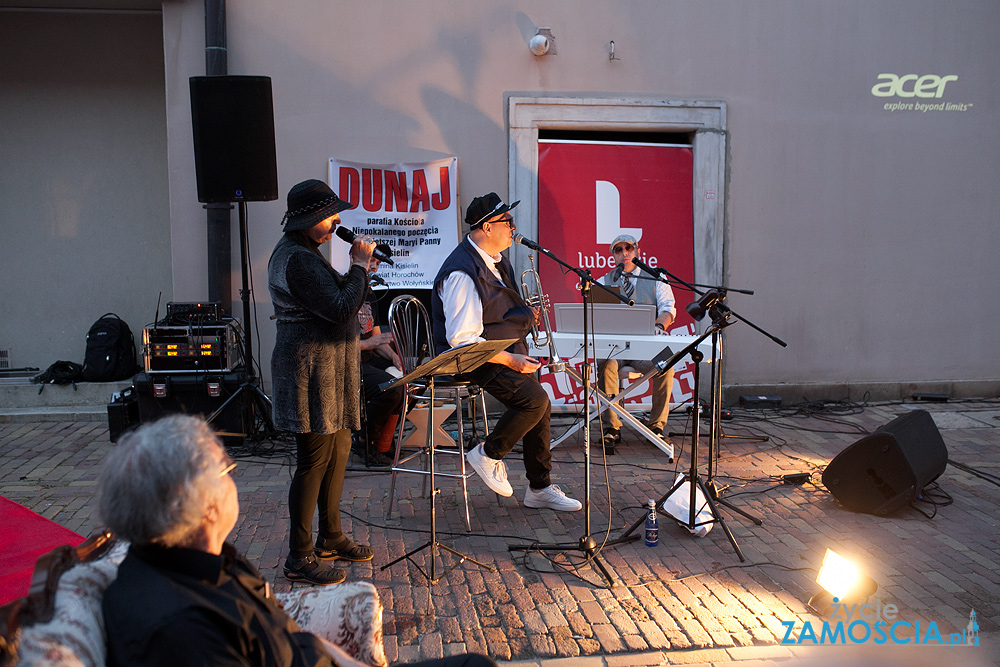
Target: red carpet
24,536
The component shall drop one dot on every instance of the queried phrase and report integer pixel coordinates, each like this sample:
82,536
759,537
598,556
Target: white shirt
463,309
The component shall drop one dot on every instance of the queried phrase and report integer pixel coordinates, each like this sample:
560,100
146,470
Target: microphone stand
712,302
587,544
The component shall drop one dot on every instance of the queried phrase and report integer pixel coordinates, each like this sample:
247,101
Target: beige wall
863,232
83,187
867,235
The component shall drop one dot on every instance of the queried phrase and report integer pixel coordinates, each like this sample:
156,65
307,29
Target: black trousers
527,418
321,462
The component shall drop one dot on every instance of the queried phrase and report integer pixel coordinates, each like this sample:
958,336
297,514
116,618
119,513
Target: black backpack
110,354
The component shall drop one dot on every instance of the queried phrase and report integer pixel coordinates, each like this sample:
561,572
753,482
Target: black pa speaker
161,394
233,123
886,470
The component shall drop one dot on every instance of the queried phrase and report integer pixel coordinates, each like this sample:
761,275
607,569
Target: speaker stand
258,406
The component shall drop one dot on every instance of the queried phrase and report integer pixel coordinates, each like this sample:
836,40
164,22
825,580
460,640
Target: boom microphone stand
693,479
712,302
587,544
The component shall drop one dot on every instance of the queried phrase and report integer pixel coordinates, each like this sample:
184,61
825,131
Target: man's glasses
623,247
509,221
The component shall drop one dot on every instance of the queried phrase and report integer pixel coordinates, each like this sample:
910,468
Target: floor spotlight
842,582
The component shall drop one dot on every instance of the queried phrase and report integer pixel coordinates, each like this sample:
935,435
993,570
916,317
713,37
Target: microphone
376,279
528,243
645,267
616,276
349,236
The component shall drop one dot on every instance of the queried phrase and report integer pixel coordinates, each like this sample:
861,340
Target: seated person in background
625,248
382,408
184,596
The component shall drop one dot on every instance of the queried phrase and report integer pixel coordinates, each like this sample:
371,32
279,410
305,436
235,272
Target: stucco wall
867,234
83,186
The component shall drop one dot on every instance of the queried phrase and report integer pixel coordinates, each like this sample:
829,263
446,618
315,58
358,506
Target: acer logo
911,85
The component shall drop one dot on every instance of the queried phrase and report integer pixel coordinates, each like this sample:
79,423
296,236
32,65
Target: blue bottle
652,525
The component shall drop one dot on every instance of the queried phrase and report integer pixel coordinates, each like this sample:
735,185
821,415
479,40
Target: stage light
842,581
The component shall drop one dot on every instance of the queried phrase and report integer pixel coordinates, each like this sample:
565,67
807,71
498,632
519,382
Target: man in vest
475,298
625,276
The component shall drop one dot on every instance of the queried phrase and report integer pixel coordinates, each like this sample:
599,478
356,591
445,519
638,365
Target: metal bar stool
414,340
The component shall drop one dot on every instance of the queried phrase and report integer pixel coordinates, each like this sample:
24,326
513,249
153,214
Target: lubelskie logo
877,624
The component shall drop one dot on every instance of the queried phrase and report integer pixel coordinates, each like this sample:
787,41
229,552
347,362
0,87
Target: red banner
589,193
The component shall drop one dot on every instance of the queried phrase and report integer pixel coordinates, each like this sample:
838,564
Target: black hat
485,207
384,249
311,202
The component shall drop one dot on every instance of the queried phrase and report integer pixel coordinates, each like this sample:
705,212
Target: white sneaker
551,497
493,472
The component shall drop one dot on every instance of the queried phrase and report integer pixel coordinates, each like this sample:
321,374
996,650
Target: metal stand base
587,546
432,577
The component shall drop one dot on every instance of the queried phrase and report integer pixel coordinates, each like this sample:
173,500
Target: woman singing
315,373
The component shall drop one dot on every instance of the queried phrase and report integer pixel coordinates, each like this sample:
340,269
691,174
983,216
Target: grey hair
155,485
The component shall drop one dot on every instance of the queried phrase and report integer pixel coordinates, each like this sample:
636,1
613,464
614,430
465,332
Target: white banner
412,207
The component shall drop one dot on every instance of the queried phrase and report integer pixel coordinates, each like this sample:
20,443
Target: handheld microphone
645,267
349,236
528,243
376,279
616,276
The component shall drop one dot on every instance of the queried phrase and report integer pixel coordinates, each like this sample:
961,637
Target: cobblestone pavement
688,600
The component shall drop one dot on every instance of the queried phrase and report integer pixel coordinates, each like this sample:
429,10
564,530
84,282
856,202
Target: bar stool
410,326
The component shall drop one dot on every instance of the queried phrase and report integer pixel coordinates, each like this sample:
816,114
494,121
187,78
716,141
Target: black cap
485,207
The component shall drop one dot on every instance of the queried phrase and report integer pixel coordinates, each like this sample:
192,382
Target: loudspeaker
233,123
886,470
161,394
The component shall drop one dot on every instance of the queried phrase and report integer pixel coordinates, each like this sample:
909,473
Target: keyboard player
625,249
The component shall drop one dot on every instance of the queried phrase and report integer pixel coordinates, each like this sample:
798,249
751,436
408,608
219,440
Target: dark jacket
315,367
505,315
175,607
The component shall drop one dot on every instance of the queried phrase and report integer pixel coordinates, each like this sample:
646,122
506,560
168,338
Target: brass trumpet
535,298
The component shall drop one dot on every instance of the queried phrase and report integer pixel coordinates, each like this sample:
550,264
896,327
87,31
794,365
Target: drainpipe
220,274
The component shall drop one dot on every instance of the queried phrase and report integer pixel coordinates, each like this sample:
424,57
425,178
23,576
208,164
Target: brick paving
687,601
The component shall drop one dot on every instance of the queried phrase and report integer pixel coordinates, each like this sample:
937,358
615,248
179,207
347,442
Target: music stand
462,359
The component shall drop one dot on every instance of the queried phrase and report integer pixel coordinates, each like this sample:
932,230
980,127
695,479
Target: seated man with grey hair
184,596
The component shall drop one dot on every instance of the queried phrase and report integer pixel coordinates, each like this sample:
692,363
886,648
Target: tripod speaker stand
257,405
232,122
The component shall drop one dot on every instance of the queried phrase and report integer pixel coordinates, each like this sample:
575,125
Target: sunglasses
623,247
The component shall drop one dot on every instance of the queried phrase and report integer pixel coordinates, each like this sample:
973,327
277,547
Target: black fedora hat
485,207
309,203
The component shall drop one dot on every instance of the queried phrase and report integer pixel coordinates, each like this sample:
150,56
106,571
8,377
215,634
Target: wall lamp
842,582
543,43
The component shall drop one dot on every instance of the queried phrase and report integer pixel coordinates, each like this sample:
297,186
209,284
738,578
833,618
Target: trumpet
534,298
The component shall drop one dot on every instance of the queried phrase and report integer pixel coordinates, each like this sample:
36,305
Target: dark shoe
380,460
313,571
357,553
612,437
